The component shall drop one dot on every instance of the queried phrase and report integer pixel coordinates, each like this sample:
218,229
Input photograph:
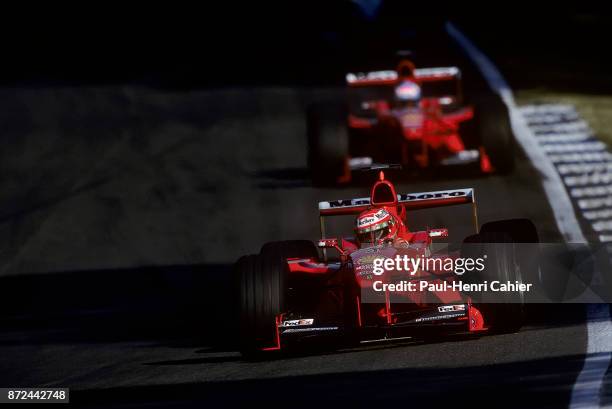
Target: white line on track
578,126
586,389
603,226
581,157
592,191
532,111
563,137
585,179
582,168
589,146
598,214
547,119
546,109
586,204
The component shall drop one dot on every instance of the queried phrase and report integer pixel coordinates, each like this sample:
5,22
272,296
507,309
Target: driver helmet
375,226
408,93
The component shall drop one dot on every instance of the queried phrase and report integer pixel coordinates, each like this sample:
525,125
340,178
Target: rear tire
525,235
519,230
503,312
328,143
492,122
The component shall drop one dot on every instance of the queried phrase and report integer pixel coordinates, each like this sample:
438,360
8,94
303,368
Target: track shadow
283,178
9,213
196,361
179,306
535,383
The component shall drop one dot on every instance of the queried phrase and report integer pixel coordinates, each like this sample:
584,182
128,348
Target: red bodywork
389,311
420,137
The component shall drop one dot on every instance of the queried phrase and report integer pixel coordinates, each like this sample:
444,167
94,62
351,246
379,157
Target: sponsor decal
436,72
408,197
411,119
369,259
294,330
439,317
404,197
328,242
297,323
371,76
344,203
392,74
364,221
364,266
448,308
438,233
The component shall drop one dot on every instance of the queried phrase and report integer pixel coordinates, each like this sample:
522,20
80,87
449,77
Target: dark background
289,42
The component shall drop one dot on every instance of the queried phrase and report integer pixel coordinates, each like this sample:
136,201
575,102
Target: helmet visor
374,234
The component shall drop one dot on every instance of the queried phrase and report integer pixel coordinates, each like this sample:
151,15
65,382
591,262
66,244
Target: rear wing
388,77
410,201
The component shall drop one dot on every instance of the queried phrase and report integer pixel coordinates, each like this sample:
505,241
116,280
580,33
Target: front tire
262,288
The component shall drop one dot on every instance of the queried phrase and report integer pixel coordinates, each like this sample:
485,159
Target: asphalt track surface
119,240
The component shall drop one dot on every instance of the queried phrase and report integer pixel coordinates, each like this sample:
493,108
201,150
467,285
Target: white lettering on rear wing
388,75
437,72
425,74
422,200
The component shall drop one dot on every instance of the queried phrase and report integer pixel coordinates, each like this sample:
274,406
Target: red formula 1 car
289,293
413,116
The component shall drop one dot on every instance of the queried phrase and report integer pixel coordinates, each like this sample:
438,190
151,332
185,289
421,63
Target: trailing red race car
290,293
413,116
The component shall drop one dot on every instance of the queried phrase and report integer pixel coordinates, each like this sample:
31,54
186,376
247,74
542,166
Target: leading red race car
413,116
290,293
